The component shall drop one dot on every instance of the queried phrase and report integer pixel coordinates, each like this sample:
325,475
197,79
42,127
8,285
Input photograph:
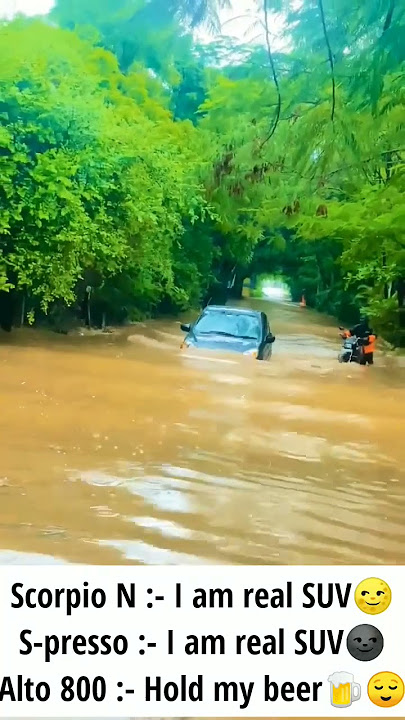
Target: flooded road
123,449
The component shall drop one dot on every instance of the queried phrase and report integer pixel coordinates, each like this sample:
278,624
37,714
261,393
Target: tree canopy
152,169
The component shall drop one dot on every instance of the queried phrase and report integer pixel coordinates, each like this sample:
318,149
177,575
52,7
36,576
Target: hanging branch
275,78
388,19
330,57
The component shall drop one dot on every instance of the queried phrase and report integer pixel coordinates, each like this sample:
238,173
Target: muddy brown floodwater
123,449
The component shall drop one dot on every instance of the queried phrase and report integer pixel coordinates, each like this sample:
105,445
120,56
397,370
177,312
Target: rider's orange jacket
370,348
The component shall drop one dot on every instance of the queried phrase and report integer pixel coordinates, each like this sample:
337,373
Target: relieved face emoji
372,596
365,642
386,689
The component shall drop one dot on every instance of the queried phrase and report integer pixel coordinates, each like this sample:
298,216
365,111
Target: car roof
235,310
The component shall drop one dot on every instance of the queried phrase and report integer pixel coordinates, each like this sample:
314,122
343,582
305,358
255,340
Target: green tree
306,144
153,169
97,176
154,32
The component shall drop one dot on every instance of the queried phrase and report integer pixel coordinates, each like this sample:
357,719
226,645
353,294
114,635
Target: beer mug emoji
343,689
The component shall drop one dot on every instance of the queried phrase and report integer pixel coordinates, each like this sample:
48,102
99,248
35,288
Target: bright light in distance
275,293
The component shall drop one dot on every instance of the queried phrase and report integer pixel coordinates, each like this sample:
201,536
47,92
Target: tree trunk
22,319
237,289
88,314
384,264
7,309
401,303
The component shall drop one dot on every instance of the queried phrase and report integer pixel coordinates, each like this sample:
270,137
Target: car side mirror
270,338
185,327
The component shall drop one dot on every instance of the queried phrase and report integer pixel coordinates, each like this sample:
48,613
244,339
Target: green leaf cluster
97,179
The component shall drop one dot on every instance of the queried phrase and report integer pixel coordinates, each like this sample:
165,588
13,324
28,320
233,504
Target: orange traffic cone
303,302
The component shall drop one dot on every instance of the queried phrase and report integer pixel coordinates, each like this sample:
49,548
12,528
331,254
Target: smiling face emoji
365,642
386,689
372,596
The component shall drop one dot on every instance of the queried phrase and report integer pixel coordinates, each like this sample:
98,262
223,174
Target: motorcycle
351,348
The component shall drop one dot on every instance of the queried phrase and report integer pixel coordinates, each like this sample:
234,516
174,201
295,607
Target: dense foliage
141,171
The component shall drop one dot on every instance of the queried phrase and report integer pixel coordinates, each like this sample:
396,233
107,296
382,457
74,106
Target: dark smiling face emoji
386,689
365,642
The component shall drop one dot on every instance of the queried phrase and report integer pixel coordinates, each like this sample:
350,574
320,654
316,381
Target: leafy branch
367,160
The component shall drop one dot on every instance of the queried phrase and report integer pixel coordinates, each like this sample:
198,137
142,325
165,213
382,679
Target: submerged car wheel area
228,329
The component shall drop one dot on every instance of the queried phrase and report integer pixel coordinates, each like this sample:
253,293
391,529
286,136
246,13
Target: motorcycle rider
367,339
362,328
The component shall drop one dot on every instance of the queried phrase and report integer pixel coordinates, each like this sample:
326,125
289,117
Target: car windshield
221,323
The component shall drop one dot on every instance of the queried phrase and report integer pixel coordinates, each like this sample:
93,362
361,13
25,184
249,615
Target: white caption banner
264,641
